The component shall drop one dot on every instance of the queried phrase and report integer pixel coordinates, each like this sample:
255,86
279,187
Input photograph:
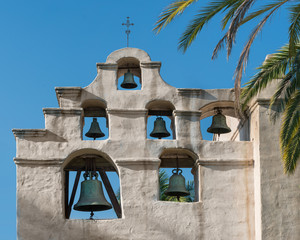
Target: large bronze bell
177,185
159,130
219,125
95,131
128,81
91,196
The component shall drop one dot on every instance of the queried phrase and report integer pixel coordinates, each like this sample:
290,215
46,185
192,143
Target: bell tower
240,191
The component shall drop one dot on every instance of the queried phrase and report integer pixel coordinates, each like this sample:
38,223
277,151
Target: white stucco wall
242,193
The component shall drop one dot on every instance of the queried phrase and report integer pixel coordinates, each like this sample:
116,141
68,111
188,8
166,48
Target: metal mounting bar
69,207
66,193
111,193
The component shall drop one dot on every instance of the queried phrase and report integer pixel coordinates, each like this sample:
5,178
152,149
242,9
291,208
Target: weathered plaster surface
241,190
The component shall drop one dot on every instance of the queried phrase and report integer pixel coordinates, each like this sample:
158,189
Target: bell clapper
91,216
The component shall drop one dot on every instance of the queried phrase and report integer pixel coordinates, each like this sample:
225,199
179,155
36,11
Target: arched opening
238,129
157,110
129,74
183,159
95,121
76,169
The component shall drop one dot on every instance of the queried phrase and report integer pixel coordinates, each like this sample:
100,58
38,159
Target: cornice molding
189,91
107,66
131,112
187,113
63,111
38,162
70,91
227,162
21,133
139,161
150,64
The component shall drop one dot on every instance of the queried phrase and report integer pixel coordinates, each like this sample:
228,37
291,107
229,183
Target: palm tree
236,13
163,184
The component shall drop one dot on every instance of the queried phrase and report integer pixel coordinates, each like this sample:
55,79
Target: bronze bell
159,130
219,125
177,185
91,195
128,81
95,131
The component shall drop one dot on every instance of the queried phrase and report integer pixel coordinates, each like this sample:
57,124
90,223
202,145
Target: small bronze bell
91,195
128,81
219,125
95,131
159,130
177,185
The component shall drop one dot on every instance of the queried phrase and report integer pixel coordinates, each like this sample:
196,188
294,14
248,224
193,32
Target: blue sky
49,43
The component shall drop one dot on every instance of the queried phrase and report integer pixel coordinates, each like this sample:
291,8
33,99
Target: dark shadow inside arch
107,175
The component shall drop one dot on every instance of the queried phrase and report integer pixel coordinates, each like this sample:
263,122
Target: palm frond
235,23
261,11
291,109
294,29
203,17
219,46
272,68
163,181
237,12
290,133
291,153
229,15
279,98
242,63
174,9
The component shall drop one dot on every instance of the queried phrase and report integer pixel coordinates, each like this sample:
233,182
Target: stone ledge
190,91
227,162
20,133
187,113
25,161
62,111
150,64
141,161
107,66
68,90
131,112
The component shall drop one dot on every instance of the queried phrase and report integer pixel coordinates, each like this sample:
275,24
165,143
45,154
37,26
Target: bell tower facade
240,190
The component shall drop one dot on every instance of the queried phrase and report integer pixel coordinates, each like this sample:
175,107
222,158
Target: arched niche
239,129
129,64
164,109
95,108
78,163
186,160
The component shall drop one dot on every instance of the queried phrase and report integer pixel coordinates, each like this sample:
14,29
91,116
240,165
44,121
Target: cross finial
127,24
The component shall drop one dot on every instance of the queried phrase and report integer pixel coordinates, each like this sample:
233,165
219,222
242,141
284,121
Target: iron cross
127,24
